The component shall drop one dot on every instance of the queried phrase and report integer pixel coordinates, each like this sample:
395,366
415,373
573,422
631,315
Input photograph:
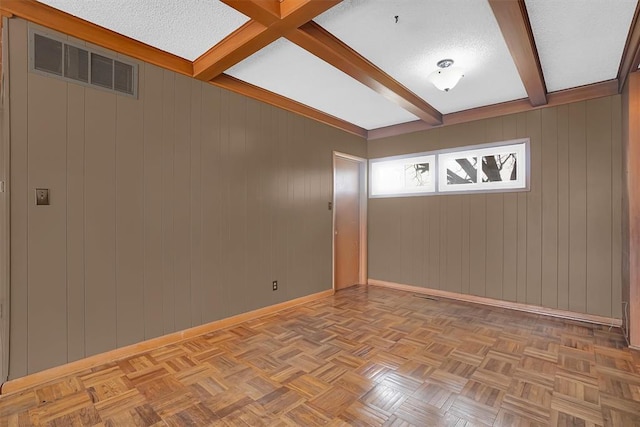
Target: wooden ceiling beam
318,41
264,28
57,20
631,54
238,86
513,21
582,93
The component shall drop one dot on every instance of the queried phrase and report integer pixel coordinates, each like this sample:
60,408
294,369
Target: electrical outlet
275,285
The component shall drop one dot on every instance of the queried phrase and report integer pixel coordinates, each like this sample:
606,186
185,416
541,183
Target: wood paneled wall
167,211
557,246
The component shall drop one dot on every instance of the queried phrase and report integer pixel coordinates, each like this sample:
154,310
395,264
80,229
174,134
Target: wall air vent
67,61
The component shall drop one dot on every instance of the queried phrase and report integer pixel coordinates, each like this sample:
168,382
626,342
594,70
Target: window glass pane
499,167
462,170
123,77
101,71
47,54
76,63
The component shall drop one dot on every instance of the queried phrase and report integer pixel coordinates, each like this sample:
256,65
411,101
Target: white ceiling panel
579,41
186,28
291,71
426,32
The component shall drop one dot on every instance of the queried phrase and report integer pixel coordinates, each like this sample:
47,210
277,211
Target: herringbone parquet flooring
367,356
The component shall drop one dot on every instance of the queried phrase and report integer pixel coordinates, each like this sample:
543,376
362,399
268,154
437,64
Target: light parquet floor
367,356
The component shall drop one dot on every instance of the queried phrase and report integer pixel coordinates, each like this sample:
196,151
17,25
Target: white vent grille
58,58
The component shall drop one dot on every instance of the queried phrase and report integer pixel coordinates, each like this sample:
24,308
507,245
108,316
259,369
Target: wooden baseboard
553,312
51,374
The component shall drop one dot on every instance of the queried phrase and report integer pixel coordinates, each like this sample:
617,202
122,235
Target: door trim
362,267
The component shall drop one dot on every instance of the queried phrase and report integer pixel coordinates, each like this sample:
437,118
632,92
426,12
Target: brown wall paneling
129,206
100,220
528,247
195,202
534,210
521,279
563,206
152,199
617,178
599,125
549,190
182,203
510,225
19,324
75,222
577,207
47,224
168,211
168,191
495,224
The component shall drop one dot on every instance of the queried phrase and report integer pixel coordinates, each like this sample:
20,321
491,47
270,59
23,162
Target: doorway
349,221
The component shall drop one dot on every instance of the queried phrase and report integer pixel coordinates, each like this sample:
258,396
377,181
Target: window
60,59
403,176
495,167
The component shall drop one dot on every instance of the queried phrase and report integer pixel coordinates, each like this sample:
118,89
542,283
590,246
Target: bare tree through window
462,171
417,175
499,167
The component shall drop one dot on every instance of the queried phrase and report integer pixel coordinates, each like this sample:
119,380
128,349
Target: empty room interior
320,212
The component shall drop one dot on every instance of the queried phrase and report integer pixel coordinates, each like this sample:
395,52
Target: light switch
42,196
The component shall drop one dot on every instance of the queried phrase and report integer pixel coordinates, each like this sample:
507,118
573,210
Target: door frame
362,267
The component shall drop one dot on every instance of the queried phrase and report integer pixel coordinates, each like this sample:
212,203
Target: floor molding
48,375
553,312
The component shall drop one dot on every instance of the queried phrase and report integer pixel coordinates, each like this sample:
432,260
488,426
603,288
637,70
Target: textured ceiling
291,71
426,32
186,28
579,42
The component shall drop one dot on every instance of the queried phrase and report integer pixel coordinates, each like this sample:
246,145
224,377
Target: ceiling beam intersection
266,26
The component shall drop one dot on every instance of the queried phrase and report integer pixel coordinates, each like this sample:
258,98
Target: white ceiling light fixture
446,77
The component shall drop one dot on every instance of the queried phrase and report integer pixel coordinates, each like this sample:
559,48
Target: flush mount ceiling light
445,77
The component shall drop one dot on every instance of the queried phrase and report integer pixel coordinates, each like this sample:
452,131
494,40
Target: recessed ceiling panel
406,38
290,71
579,42
186,28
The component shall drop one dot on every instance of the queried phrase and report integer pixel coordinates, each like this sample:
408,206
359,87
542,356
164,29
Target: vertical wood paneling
168,194
19,322
212,304
616,206
47,224
533,247
75,222
534,212
181,203
577,207
478,244
521,284
129,219
153,190
100,202
453,234
195,195
563,207
549,171
169,210
495,223
599,196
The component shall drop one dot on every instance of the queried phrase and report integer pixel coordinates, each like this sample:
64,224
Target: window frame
521,146
427,157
